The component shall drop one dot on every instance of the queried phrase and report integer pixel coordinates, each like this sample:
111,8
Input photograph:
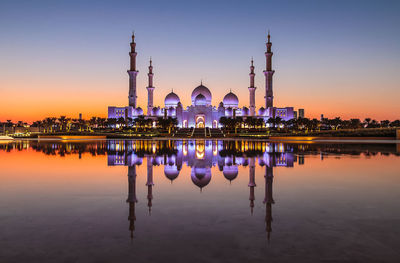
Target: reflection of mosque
201,156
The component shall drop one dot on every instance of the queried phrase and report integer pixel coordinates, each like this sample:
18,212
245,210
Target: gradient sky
340,58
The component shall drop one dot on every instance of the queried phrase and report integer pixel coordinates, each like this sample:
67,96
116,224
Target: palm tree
395,123
63,122
111,122
385,123
355,123
93,122
336,122
367,121
224,122
49,124
101,122
259,122
272,122
121,121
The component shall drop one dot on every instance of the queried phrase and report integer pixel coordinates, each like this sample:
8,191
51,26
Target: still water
199,201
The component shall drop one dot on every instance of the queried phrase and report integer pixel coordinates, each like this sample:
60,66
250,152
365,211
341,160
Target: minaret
132,198
132,72
150,90
269,96
149,183
252,90
252,181
268,199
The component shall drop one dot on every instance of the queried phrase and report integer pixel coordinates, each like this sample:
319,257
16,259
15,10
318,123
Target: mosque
201,113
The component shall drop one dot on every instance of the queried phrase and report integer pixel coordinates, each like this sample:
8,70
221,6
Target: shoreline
288,139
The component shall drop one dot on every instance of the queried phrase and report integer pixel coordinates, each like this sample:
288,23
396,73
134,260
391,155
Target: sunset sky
339,58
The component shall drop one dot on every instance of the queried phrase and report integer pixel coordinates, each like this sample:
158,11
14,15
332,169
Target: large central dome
203,90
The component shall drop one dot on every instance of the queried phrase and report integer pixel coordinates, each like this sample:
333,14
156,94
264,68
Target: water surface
199,201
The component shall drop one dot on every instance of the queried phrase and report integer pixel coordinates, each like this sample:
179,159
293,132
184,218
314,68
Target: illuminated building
201,113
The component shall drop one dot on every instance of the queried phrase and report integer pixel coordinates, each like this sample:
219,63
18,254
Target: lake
199,201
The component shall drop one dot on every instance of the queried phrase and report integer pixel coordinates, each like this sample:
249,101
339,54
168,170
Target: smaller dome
231,100
171,100
155,111
261,111
139,111
200,100
245,111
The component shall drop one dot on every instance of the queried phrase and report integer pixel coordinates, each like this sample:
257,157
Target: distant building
301,113
294,114
201,113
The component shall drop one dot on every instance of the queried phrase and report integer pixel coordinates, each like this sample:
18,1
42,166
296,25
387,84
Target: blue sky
340,58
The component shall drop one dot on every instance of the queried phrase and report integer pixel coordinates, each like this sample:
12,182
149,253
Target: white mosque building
201,113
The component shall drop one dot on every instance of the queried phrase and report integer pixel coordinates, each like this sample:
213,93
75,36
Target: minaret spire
149,183
132,72
132,198
252,90
268,199
252,182
268,72
150,89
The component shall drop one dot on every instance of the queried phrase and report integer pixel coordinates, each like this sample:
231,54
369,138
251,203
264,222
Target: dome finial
150,61
269,36
201,82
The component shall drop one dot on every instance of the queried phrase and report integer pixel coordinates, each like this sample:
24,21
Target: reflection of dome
201,176
139,111
201,90
200,100
171,171
230,172
231,100
261,111
171,100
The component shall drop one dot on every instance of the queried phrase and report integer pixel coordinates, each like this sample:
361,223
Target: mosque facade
201,113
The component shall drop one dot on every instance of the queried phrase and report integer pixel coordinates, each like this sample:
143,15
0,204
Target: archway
200,121
215,124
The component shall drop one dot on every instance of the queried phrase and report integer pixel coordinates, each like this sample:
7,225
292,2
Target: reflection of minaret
301,159
252,181
268,199
132,197
132,72
252,90
149,182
